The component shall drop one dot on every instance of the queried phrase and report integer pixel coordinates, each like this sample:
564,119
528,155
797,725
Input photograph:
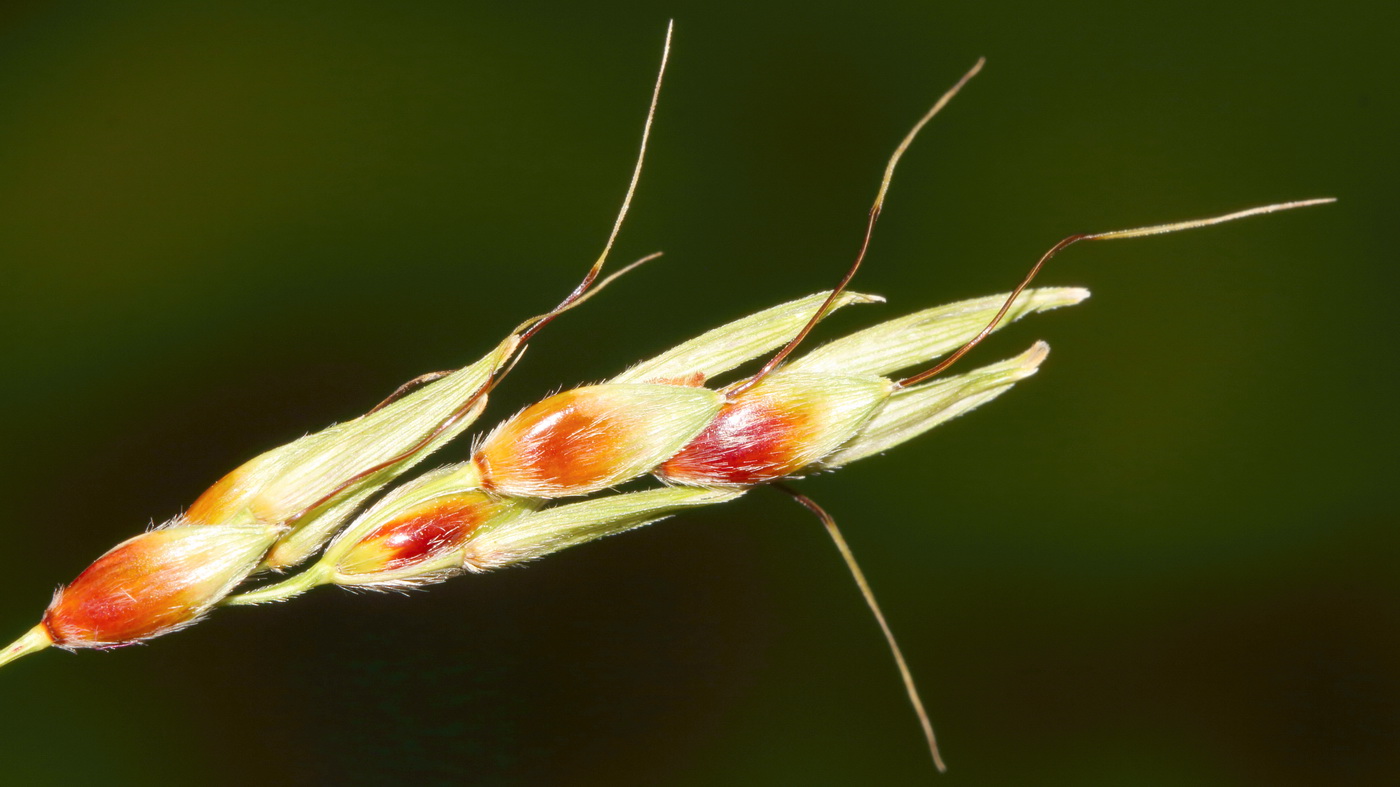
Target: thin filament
869,231
600,286
408,388
530,327
432,377
1139,232
859,576
539,322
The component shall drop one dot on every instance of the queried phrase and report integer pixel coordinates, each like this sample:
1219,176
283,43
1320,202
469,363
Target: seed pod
591,438
777,428
155,583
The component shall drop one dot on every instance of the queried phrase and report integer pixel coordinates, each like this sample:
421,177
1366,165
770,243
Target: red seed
776,429
567,441
423,533
154,583
120,598
591,438
751,441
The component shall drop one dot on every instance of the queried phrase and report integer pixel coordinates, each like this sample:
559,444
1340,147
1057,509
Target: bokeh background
1169,559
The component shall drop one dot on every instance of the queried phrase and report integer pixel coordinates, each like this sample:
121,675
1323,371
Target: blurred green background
1166,560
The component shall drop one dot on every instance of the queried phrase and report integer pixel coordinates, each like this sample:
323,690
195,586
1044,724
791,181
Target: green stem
34,640
286,589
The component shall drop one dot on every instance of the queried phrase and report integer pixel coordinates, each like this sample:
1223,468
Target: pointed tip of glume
1035,356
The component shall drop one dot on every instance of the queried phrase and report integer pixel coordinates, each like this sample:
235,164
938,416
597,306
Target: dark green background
1167,560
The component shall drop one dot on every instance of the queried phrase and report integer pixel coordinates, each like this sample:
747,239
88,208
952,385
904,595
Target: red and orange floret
153,584
776,429
749,442
591,438
427,532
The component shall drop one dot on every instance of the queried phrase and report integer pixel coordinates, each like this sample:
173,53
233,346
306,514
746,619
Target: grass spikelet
506,505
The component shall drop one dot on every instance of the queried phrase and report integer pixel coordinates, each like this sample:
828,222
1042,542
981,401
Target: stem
34,640
286,589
